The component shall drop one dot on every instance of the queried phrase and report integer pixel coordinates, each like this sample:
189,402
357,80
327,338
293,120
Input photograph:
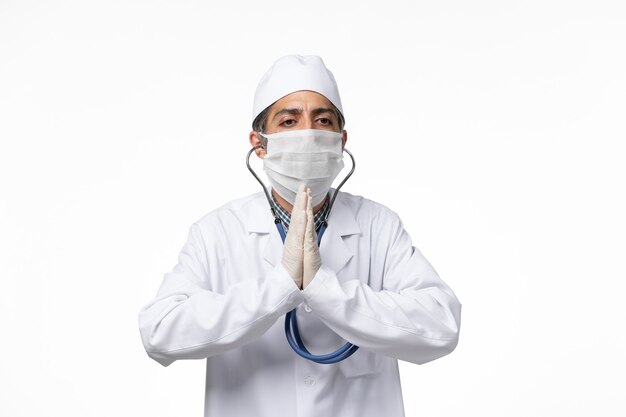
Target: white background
494,128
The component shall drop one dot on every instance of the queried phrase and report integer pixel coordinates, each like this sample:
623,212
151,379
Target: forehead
306,100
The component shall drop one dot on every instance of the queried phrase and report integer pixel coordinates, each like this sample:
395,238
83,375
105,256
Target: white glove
312,259
294,241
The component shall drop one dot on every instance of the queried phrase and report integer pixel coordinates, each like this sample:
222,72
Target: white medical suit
226,300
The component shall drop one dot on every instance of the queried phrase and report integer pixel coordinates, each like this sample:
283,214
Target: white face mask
313,157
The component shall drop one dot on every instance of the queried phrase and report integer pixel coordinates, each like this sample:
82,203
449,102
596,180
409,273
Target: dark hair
258,125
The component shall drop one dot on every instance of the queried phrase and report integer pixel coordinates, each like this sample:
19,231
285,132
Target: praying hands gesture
301,255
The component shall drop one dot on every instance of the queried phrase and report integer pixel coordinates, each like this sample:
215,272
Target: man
235,279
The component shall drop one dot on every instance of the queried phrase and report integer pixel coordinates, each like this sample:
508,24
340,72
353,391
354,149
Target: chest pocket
361,363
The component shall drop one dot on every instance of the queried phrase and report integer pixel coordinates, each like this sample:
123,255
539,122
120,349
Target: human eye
325,121
288,123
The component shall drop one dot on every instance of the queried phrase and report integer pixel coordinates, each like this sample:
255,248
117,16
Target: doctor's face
298,111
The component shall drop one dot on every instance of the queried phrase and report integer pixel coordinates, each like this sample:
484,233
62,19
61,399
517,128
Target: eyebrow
295,111
321,110
290,110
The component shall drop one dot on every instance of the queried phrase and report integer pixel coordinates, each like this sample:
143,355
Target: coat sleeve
188,321
415,317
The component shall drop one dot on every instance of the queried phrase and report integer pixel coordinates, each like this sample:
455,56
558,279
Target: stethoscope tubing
291,324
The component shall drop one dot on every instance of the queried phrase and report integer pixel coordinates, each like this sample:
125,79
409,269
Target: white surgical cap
293,73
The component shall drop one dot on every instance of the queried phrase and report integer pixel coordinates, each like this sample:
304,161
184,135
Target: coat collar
258,217
341,220
333,250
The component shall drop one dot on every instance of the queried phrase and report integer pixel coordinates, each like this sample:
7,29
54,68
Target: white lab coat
226,299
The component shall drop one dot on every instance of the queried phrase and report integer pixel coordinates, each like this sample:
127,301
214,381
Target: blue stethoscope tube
291,324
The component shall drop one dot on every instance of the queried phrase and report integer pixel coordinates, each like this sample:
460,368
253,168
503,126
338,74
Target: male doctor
235,279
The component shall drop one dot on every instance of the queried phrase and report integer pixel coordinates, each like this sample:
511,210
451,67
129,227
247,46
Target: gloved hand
294,241
312,260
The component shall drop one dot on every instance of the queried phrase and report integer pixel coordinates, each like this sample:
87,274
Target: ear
255,141
344,138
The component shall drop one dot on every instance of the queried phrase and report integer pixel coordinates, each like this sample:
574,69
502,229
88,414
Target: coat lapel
273,247
334,250
258,219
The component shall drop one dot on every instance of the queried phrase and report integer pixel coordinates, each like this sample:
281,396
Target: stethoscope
291,323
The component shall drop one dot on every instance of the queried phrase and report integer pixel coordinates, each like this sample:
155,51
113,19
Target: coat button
307,308
309,381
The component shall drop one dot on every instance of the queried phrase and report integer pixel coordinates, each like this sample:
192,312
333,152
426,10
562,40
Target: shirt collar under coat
333,250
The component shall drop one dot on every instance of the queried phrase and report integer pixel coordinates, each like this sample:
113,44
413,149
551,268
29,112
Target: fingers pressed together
301,258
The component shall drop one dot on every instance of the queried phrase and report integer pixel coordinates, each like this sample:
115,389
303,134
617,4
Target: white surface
494,129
